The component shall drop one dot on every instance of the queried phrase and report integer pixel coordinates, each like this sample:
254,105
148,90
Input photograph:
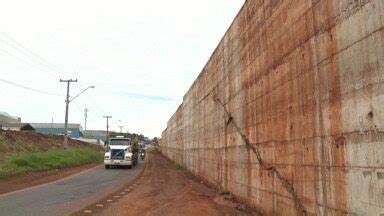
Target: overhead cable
28,88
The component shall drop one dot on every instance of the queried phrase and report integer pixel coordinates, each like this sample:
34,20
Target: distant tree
155,140
141,137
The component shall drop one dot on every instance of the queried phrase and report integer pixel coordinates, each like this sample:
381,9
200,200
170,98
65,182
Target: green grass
152,150
52,159
177,167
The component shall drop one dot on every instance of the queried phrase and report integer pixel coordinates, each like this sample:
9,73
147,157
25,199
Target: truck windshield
124,142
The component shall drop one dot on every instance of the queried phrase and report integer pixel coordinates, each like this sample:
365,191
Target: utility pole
85,118
66,112
52,125
107,117
121,127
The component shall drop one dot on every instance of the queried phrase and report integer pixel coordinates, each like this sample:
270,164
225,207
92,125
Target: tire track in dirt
184,192
165,190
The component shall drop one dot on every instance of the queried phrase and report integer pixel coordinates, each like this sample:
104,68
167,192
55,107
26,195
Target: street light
81,93
67,101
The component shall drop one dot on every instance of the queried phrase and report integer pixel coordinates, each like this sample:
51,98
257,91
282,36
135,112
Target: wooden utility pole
107,117
66,112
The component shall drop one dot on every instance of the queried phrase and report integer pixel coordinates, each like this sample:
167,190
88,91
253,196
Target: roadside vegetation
177,166
152,150
51,159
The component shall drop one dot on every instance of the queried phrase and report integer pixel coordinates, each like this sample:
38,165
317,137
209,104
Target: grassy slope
22,152
51,159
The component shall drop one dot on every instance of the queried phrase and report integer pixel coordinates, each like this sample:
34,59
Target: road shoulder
163,190
34,179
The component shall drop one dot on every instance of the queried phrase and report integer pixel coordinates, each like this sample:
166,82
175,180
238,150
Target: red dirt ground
165,190
38,178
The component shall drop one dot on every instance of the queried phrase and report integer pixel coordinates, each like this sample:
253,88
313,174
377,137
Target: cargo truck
122,150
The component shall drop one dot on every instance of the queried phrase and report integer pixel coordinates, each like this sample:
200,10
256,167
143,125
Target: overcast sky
142,56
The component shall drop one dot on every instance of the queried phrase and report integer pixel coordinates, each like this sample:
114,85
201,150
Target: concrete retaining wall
288,114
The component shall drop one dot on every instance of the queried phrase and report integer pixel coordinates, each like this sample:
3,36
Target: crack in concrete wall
288,185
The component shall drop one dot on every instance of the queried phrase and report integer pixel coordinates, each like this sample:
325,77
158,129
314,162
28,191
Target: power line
80,110
35,56
41,61
28,88
27,63
31,54
95,64
25,53
53,69
93,101
54,66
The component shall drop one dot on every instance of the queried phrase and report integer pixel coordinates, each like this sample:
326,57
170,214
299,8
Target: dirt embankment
19,142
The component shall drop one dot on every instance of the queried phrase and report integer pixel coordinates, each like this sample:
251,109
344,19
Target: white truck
120,152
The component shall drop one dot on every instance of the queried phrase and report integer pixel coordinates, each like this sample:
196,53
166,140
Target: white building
6,118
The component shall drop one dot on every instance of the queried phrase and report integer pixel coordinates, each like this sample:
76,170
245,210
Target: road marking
122,192
100,205
128,189
116,196
88,211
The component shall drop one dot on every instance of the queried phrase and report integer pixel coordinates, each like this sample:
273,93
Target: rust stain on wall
287,113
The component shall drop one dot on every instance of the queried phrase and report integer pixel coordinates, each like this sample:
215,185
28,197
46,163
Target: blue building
74,130
98,135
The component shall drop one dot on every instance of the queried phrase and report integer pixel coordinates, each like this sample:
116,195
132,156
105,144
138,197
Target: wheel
107,166
129,166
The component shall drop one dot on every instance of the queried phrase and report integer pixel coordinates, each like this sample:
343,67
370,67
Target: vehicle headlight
128,157
106,156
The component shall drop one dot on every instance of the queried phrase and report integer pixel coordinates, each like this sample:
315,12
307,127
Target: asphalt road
69,195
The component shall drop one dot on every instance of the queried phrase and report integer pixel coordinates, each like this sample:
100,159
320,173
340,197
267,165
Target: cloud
148,97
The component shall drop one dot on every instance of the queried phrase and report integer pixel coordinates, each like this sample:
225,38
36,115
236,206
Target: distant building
16,126
74,130
99,135
5,117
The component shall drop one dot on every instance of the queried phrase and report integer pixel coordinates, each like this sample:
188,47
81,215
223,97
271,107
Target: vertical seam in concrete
318,123
338,141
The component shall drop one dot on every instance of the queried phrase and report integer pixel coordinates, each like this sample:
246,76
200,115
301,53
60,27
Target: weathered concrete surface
288,114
